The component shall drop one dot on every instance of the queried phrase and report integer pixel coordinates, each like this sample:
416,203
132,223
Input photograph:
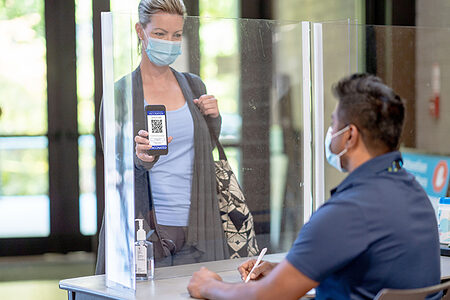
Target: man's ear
354,137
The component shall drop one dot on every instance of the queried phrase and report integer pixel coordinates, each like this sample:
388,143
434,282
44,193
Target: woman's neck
151,72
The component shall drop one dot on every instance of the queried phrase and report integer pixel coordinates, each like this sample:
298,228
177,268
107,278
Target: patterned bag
237,221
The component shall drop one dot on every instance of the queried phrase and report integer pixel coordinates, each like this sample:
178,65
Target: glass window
23,122
88,199
23,73
86,117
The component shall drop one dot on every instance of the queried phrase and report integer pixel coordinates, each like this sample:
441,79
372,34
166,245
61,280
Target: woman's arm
215,124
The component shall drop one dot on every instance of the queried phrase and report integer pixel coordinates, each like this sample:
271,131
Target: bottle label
141,260
444,224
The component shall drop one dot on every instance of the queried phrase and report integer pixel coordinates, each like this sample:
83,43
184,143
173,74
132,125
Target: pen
261,255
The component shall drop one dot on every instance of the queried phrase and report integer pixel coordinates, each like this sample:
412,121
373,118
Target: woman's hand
208,105
260,271
143,145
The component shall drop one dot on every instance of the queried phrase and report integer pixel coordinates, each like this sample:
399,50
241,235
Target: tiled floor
37,277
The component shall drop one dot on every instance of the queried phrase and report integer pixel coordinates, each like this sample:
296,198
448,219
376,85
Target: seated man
378,230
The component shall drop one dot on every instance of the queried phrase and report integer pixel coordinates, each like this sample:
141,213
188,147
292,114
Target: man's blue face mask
334,159
162,52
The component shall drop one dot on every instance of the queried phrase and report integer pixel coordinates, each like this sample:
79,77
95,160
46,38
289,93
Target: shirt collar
372,166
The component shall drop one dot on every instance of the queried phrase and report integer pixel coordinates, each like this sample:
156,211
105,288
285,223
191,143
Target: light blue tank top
171,176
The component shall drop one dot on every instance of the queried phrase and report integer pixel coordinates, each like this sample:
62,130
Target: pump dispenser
144,254
141,232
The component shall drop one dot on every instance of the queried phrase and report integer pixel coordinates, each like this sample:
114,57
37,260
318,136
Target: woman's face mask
332,158
162,52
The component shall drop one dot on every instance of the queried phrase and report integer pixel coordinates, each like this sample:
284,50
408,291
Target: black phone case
157,107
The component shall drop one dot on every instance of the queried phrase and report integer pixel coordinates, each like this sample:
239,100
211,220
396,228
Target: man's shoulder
377,184
341,207
370,193
394,194
352,193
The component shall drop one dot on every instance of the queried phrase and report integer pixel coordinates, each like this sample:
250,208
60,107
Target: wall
433,47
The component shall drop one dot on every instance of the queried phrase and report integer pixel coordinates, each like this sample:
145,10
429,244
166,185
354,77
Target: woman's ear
138,28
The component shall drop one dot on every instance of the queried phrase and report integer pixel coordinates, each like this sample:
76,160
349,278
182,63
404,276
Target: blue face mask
334,159
162,52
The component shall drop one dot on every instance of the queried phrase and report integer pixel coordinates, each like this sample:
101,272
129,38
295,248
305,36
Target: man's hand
283,282
143,145
259,272
208,105
200,281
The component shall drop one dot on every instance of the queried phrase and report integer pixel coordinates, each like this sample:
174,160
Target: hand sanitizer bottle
144,255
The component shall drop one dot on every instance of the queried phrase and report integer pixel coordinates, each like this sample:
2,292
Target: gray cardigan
205,233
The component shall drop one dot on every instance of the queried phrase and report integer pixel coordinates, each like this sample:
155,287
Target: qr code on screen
156,126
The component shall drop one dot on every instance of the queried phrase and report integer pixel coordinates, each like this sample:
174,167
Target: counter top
171,282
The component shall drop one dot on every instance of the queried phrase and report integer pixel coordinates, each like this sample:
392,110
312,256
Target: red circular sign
440,175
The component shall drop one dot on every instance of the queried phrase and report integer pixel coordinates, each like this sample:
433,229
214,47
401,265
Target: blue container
444,220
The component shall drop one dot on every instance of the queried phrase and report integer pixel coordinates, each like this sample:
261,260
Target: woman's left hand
208,105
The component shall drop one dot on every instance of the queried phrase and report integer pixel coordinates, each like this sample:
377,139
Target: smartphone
157,129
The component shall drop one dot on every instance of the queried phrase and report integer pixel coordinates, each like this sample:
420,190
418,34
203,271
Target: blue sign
431,171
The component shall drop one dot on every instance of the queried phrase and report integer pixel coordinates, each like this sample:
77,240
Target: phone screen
157,131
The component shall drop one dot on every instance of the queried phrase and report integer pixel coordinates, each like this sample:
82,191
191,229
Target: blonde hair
147,8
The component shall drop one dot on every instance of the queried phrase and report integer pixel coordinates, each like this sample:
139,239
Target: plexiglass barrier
413,61
257,71
273,83
118,238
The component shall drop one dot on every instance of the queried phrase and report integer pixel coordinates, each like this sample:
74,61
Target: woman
175,193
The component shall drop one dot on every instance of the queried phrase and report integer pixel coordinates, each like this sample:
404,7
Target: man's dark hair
373,107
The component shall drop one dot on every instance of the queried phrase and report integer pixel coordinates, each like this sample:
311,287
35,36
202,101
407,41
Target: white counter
170,282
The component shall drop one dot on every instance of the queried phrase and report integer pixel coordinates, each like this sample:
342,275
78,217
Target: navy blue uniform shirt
378,230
